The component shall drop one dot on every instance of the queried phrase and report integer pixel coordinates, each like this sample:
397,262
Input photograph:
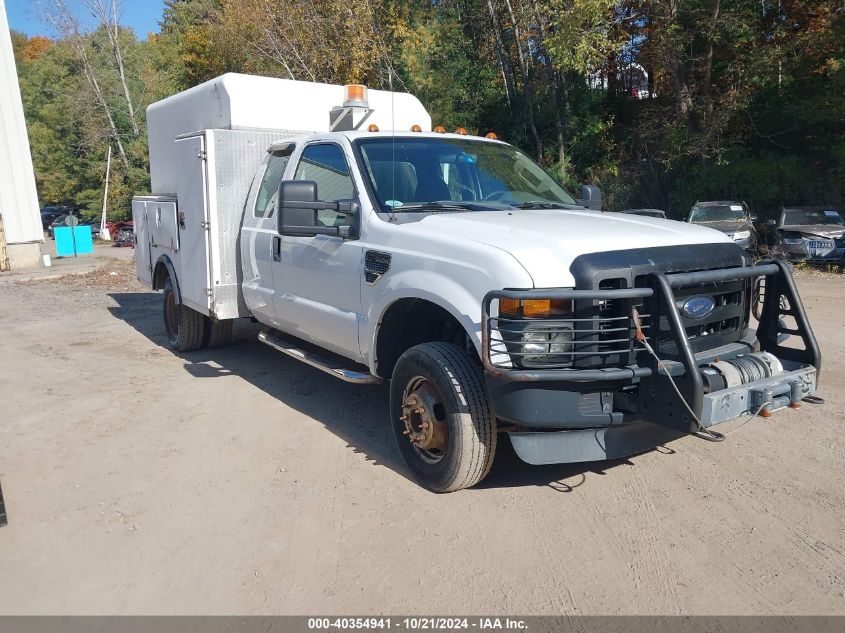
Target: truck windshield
795,217
718,213
432,174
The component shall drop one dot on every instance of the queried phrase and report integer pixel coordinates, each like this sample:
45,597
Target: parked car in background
60,221
652,213
50,213
123,233
731,218
807,233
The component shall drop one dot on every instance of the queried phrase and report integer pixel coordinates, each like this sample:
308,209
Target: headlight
547,347
536,330
742,235
792,241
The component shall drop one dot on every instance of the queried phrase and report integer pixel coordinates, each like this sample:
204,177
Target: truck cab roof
353,135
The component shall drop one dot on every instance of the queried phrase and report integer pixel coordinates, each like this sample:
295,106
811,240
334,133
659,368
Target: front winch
725,374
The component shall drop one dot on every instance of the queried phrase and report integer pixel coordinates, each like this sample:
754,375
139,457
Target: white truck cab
456,268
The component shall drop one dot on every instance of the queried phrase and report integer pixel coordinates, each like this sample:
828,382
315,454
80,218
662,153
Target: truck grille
610,336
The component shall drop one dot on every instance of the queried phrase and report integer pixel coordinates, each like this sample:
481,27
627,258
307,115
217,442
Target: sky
140,15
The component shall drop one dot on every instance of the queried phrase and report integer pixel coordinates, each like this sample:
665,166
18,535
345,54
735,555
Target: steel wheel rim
425,420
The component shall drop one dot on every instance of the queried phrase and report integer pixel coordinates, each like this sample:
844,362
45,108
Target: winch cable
702,432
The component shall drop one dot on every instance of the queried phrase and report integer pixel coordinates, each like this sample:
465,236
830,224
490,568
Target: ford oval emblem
698,307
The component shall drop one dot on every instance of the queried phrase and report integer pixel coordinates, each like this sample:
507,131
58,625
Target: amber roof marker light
416,128
491,135
462,131
372,127
440,129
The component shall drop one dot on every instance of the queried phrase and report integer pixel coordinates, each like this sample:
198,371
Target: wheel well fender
161,272
411,320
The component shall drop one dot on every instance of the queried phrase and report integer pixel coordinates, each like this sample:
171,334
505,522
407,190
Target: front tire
185,327
441,417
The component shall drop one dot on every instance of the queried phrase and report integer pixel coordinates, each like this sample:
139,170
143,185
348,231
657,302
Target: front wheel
441,417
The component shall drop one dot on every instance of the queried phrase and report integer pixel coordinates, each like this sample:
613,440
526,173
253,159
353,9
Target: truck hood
545,241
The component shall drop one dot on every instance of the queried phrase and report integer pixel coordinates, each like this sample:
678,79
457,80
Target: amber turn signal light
534,308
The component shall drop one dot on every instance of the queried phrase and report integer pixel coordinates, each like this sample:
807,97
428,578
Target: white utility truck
456,268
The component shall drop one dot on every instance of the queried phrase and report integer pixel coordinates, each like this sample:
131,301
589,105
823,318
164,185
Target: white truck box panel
194,257
247,102
233,159
198,225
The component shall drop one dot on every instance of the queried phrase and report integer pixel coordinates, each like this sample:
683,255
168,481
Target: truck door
318,279
258,233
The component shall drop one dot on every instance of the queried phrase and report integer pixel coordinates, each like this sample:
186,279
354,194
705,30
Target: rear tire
218,333
185,327
441,417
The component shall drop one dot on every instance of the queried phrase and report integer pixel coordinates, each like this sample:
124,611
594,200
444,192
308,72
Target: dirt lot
238,481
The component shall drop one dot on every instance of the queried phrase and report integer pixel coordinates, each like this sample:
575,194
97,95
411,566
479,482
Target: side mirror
590,197
771,223
298,207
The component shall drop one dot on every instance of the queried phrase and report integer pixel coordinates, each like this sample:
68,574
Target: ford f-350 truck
454,267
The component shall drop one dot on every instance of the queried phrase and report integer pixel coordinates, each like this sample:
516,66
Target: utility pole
104,229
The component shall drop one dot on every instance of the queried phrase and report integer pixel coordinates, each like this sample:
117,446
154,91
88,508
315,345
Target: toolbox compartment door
162,224
143,264
191,216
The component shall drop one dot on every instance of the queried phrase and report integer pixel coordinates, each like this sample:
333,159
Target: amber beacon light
355,95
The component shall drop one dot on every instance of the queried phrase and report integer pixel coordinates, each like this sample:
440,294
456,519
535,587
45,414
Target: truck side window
326,165
265,203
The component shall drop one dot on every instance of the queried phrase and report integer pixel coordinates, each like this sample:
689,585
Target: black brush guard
657,400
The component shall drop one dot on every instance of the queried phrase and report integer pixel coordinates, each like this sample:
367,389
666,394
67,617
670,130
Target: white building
21,219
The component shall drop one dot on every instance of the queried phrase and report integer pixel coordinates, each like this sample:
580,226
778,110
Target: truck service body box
197,225
205,145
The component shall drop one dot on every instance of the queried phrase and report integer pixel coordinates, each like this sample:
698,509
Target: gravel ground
238,481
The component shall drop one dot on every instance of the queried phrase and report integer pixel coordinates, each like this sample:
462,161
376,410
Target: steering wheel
467,189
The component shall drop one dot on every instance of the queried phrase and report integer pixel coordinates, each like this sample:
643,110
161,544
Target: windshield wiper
442,206
544,204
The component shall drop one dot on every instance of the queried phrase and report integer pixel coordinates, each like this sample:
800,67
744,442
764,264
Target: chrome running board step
278,342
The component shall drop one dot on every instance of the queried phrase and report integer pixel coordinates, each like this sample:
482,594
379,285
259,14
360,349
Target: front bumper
814,251
630,438
568,414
